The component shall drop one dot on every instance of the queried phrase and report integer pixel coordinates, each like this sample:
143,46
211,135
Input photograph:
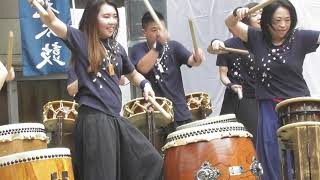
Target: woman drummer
107,146
237,73
279,51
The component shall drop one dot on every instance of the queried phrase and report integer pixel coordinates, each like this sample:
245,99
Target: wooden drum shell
38,169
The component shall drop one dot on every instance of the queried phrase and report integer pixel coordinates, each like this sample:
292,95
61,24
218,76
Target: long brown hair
88,24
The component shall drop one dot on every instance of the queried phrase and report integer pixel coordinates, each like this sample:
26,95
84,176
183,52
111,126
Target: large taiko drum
21,137
45,164
66,111
199,104
221,151
299,109
226,118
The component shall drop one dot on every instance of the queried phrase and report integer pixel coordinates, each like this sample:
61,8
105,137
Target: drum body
22,137
46,164
151,123
299,110
199,105
223,151
63,110
302,141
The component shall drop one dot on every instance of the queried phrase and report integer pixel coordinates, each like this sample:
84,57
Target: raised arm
49,18
235,25
196,58
146,63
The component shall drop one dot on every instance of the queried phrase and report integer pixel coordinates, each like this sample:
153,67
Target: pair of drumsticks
261,5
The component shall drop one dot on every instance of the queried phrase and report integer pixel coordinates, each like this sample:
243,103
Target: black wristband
229,85
234,13
143,83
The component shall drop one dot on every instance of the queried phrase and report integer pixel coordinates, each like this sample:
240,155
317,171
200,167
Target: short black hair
267,13
147,18
246,20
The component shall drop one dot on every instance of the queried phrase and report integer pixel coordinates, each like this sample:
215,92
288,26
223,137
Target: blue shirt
279,68
240,67
165,77
99,91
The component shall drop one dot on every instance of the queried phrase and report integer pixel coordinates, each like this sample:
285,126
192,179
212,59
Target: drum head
199,104
55,110
136,112
226,118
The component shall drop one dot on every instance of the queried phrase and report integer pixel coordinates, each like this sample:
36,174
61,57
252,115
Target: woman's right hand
218,47
236,87
242,13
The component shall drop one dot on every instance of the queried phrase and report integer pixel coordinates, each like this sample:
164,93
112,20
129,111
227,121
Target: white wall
308,18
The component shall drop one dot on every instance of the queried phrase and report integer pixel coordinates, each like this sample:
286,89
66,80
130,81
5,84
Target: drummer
279,50
5,75
237,73
159,60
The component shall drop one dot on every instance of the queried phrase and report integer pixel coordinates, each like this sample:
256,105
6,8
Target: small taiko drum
21,137
152,123
56,112
226,118
136,111
45,164
299,109
199,105
221,151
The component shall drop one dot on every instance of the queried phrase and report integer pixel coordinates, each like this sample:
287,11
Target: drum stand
154,135
151,127
58,134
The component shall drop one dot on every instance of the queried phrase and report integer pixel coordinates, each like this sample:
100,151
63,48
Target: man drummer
159,60
5,75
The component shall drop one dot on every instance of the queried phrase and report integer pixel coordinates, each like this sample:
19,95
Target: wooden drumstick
261,5
233,50
39,7
240,95
238,51
157,105
10,49
193,36
153,14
